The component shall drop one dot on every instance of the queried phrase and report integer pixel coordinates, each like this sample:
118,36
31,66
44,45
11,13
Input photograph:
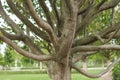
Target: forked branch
24,19
25,53
45,26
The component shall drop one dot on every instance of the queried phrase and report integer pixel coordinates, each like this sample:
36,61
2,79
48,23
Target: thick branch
25,53
12,36
46,11
95,48
45,26
24,19
94,75
91,12
9,21
109,5
93,38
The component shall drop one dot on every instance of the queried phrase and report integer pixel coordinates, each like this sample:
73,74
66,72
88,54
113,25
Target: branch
99,37
101,3
95,48
24,19
94,75
54,8
25,39
111,37
109,5
78,56
9,21
115,36
80,3
25,53
46,11
88,16
93,38
11,36
45,26
92,12
30,43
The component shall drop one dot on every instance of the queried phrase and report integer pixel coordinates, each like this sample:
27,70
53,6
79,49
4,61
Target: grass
40,76
24,77
75,76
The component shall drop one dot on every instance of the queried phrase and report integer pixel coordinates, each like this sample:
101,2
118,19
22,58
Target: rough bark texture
61,30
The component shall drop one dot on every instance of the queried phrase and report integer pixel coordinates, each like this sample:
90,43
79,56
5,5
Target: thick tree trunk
58,71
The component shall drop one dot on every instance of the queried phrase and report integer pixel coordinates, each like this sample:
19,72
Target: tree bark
59,71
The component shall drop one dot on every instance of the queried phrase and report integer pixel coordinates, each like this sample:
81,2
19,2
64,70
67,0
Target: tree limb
77,57
111,37
54,9
9,21
11,36
24,19
91,12
25,53
94,75
47,12
93,38
30,43
101,3
95,48
45,26
109,5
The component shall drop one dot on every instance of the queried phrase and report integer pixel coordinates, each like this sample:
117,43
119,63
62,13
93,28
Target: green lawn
75,76
39,76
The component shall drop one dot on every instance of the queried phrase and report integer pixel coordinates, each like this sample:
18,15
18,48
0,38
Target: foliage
26,60
116,72
9,55
2,62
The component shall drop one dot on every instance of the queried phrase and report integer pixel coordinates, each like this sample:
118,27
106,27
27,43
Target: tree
9,56
63,27
2,62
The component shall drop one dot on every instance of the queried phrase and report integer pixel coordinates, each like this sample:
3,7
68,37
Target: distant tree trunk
108,62
84,64
40,65
102,63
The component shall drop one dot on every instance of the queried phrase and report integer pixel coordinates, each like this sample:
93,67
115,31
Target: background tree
9,56
2,62
61,25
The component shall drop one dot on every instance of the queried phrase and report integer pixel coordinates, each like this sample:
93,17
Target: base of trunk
59,71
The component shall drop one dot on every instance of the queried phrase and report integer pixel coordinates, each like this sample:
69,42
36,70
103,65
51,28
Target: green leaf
1,33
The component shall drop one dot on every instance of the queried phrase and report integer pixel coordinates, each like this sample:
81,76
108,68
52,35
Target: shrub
116,72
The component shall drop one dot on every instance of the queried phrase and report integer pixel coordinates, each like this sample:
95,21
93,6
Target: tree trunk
102,63
59,71
84,64
108,62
